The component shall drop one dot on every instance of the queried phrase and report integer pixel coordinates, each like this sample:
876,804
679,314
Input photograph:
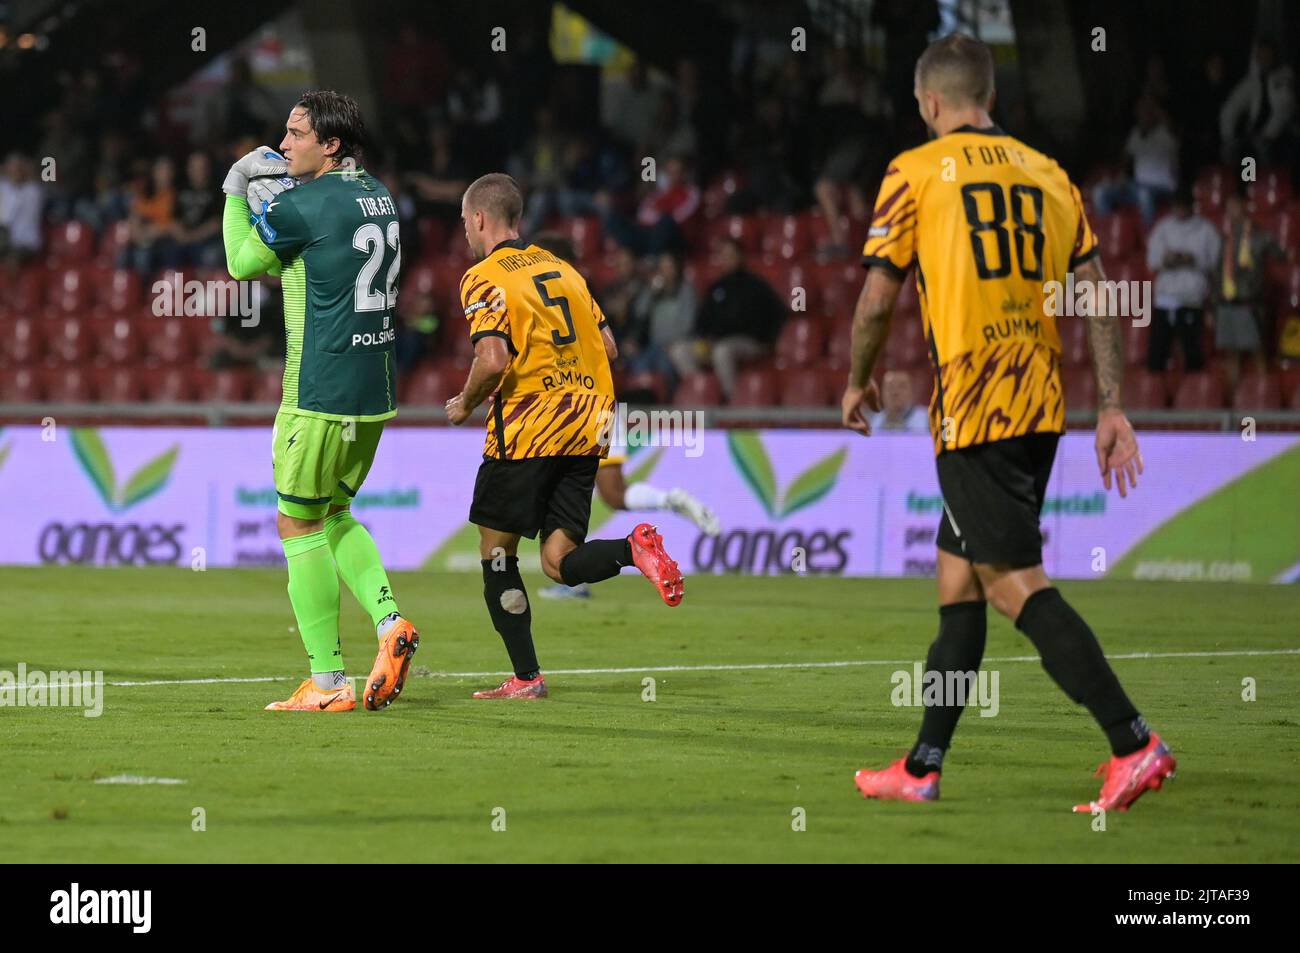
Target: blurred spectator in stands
555,173
1155,81
671,134
247,108
617,296
242,342
850,108
766,155
107,203
1200,113
439,190
416,69
1152,150
198,216
1258,118
671,202
629,108
738,321
1239,290
417,327
21,205
475,110
663,314
899,410
704,107
1182,252
153,218
907,25
71,152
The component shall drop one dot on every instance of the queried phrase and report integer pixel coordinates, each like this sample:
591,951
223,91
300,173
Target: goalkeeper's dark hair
335,116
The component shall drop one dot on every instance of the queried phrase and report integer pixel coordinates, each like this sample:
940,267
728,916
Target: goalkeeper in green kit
313,216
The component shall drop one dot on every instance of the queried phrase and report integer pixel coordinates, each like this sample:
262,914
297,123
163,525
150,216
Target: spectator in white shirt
21,200
1152,150
1258,117
1183,252
899,411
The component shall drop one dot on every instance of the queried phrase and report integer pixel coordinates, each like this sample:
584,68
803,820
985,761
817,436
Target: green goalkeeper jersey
334,243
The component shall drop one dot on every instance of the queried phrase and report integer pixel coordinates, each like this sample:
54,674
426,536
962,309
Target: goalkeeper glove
261,161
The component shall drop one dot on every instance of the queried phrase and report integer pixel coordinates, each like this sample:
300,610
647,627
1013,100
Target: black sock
1073,658
504,588
595,561
959,647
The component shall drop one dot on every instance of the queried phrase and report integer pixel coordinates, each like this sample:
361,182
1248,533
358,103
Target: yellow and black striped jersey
557,396
987,221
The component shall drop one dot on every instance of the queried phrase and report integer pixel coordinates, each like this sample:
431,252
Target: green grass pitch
712,770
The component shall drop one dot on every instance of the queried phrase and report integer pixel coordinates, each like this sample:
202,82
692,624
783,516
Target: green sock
357,557
314,593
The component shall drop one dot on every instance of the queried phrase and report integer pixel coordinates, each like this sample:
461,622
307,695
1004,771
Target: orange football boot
310,698
1131,776
516,687
394,658
652,559
894,783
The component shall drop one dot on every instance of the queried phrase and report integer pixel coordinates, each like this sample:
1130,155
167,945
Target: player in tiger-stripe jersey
542,350
989,223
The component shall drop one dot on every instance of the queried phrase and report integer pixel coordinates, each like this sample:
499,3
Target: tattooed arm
871,318
1117,449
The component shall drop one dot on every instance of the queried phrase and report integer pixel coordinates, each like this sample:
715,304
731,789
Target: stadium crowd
729,277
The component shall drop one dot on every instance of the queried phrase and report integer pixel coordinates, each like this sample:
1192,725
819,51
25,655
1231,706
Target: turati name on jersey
376,204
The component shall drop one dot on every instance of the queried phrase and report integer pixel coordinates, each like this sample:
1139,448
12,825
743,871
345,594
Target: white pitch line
750,667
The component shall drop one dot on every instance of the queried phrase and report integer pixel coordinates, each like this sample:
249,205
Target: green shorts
318,462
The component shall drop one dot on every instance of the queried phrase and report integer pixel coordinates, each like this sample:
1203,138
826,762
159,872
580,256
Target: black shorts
536,493
992,496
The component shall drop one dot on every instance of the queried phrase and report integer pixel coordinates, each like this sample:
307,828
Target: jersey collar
518,244
987,131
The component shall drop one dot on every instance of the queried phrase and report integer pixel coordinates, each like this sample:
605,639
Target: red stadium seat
1135,342
700,389
906,345
268,388
786,237
115,238
1212,186
70,291
67,384
838,341
1145,390
120,385
1258,392
1074,340
719,192
119,291
1200,391
27,295
740,228
26,341
169,339
800,343
585,233
1119,233
432,232
432,386
1286,229
168,384
231,385
645,387
69,341
71,243
807,387
118,340
1271,190
1080,388
22,385
756,387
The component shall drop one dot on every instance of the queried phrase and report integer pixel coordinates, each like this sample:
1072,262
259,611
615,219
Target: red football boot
516,687
655,564
895,784
1131,776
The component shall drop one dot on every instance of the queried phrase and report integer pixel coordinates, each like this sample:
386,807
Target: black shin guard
512,616
1072,656
595,561
959,647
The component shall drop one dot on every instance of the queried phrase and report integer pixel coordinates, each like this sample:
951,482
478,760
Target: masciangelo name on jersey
987,221
338,240
557,396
